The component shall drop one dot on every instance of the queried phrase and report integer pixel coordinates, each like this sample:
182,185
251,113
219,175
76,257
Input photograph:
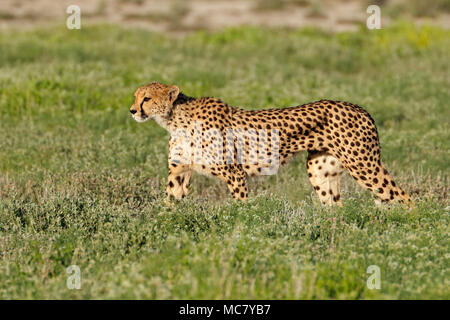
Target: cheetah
338,136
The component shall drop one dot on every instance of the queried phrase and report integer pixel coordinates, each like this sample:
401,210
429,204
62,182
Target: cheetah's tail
391,191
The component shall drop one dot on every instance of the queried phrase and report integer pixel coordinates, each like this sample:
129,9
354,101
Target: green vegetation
82,184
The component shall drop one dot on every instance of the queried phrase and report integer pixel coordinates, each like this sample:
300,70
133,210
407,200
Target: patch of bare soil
181,16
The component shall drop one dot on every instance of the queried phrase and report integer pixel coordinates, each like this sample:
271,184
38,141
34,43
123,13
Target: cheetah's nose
133,111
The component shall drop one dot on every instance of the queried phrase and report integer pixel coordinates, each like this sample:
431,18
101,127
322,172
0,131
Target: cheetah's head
153,100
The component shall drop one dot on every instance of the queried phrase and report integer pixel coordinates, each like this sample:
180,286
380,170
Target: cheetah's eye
147,99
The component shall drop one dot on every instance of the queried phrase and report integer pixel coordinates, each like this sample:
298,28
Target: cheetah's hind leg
324,173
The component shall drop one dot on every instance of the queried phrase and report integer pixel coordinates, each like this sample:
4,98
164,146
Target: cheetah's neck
162,121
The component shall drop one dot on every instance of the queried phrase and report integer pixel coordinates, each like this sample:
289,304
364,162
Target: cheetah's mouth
142,118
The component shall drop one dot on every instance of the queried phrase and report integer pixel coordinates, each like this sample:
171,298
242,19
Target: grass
82,184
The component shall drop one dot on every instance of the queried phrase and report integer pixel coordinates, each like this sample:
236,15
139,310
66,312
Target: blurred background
181,16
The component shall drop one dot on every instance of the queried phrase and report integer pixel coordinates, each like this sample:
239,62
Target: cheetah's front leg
236,180
178,181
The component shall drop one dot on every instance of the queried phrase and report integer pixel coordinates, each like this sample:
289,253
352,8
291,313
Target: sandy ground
178,16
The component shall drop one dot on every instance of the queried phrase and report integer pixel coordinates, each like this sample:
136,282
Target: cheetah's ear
173,93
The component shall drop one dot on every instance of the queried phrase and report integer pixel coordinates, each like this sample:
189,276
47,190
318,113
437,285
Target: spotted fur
338,136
